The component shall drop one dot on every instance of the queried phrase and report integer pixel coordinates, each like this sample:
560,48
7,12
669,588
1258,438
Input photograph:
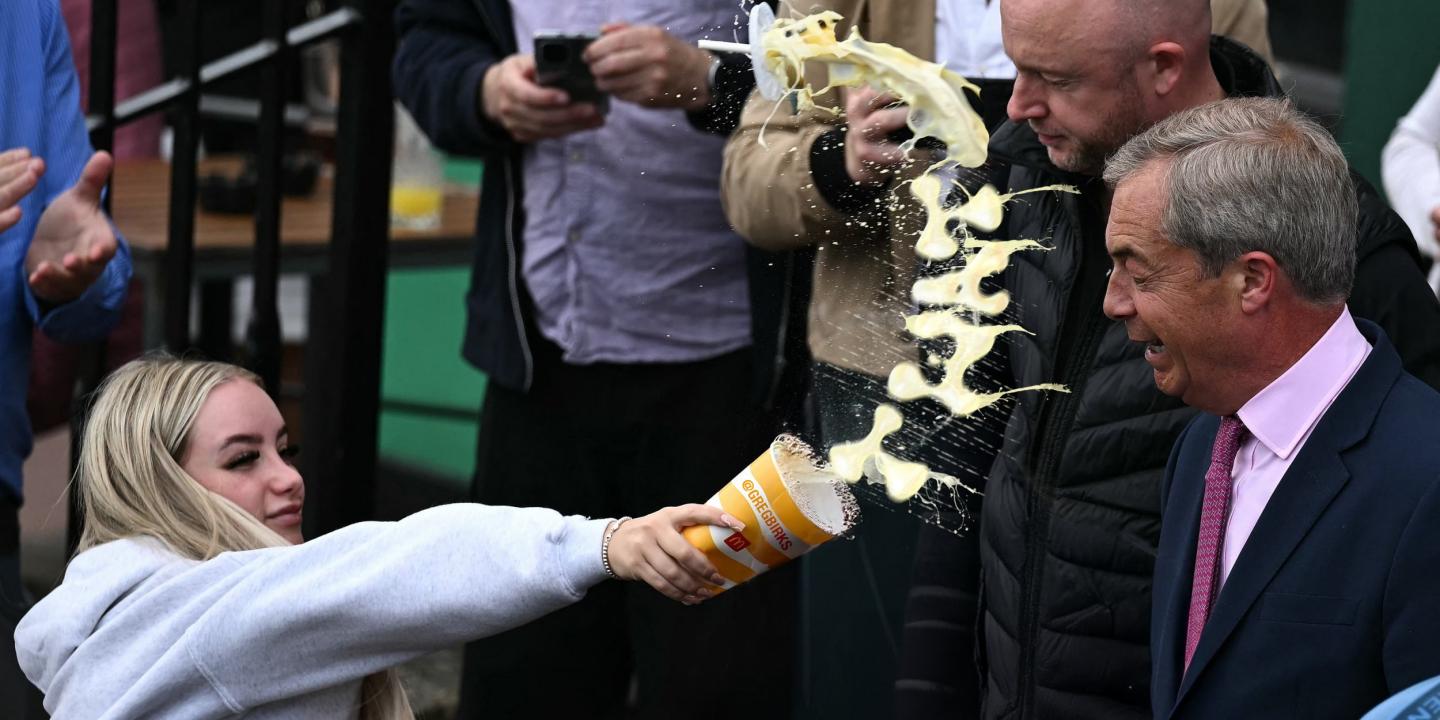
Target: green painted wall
442,446
424,324
1392,53
424,327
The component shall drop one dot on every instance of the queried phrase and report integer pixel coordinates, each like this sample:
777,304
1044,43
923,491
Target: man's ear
1257,276
1167,64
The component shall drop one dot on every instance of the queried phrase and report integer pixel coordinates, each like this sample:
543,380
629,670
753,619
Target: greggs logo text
767,515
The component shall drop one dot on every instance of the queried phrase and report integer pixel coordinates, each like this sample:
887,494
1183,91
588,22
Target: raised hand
652,549
870,158
529,111
648,66
19,174
73,241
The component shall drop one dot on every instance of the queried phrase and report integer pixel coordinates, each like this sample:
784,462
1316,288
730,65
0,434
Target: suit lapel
1311,484
1174,568
1302,496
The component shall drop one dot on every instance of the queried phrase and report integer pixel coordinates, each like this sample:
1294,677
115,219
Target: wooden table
140,204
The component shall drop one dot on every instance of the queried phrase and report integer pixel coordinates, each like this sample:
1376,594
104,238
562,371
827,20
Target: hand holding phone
512,97
560,63
645,65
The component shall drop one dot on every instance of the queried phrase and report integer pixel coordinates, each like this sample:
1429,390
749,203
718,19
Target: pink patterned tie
1214,514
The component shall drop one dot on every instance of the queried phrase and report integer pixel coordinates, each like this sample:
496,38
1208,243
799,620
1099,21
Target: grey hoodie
136,631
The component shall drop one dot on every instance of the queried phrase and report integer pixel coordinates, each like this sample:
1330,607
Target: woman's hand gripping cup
652,549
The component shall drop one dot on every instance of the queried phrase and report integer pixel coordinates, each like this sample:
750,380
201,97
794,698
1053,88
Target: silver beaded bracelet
610,531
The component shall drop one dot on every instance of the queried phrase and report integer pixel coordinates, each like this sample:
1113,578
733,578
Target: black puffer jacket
1071,515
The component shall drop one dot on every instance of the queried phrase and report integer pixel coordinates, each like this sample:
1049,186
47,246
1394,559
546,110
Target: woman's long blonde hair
131,484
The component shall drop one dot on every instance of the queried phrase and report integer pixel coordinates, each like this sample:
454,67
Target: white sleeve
1410,165
292,620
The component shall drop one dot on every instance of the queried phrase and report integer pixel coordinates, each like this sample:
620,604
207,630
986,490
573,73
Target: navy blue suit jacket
1334,603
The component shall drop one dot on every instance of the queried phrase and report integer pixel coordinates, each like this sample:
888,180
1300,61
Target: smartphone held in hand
560,63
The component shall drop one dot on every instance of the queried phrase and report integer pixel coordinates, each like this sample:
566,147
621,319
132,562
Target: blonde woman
192,596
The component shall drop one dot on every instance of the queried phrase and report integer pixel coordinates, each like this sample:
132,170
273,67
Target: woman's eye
242,460
289,453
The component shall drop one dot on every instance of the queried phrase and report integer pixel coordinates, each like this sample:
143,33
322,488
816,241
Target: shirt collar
1283,414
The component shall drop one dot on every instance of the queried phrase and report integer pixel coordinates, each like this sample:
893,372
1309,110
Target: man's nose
1118,305
1025,101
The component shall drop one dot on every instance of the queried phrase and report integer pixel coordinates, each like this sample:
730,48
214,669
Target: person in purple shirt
611,309
63,268
1296,571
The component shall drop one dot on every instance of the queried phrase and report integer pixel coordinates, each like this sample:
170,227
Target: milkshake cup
790,503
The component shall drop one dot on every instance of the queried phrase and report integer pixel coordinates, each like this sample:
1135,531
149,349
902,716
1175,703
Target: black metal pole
101,102
180,249
264,332
343,358
91,367
166,94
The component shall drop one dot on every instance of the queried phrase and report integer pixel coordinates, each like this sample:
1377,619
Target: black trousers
18,698
877,586
610,440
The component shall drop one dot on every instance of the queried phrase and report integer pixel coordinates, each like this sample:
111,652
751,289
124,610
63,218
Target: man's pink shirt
1280,419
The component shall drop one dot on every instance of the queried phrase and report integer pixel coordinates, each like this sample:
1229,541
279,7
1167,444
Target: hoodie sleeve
284,622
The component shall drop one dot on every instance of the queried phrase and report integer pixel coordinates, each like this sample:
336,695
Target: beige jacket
1244,21
865,263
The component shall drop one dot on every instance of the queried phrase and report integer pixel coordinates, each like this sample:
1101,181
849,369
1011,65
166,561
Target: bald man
1071,516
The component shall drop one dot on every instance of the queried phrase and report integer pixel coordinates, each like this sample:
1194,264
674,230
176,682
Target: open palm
73,241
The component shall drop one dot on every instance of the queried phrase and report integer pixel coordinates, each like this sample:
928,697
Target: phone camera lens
555,54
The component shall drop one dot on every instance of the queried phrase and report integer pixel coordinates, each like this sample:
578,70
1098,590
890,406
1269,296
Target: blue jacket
1332,606
40,110
442,53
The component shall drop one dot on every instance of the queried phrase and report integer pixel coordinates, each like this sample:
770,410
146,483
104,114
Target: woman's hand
651,549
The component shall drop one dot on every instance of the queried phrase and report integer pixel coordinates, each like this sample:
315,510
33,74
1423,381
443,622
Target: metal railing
342,376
